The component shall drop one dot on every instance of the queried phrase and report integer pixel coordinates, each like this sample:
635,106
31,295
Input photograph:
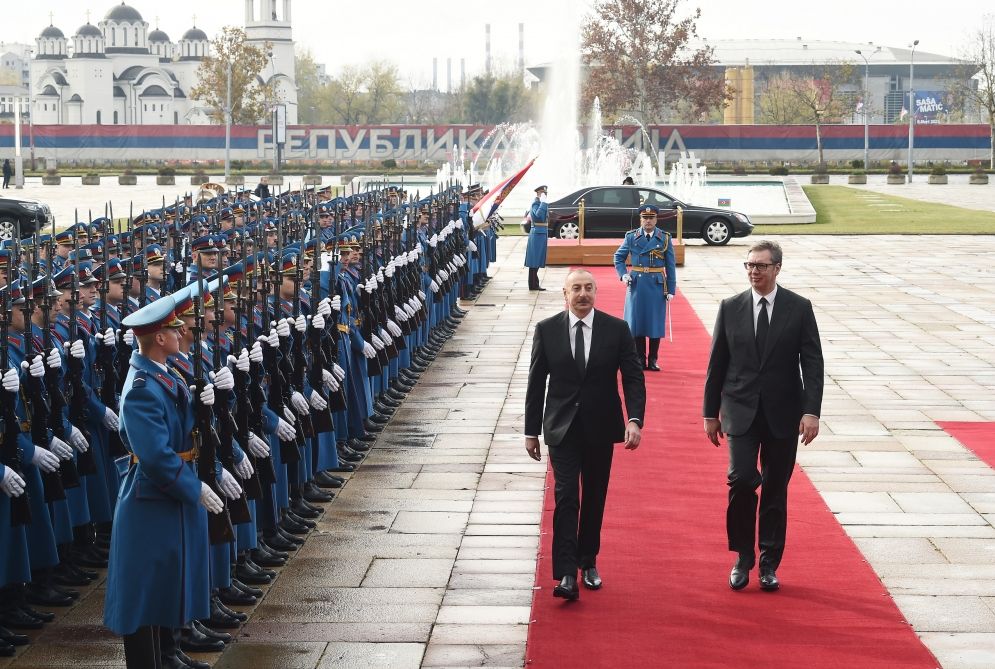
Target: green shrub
779,171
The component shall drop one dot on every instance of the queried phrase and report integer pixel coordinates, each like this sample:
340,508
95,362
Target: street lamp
31,109
912,105
867,140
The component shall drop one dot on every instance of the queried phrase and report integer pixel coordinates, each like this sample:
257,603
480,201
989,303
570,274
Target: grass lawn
850,211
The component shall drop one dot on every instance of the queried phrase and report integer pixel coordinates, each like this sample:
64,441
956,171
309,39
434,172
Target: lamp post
228,125
867,137
31,111
912,105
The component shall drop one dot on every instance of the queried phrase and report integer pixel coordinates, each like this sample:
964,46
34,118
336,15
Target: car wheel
568,230
716,232
7,228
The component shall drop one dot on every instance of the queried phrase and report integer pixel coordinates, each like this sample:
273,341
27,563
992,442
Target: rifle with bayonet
11,452
106,368
75,393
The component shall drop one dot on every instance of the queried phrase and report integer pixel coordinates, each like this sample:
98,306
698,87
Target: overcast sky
412,32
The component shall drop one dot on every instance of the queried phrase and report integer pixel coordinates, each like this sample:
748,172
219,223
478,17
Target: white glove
36,368
241,362
433,286
301,324
377,342
329,380
60,449
12,484
257,446
78,441
368,350
318,322
44,459
206,395
370,285
433,241
542,197
338,372
317,401
229,486
459,223
472,246
394,328
288,413
409,310
209,500
422,296
390,271
256,352
444,274
399,313
244,469
178,267
324,307
670,296
129,337
108,337
54,360
223,379
299,403
11,381
283,328
336,303
626,279
77,350
285,431
110,420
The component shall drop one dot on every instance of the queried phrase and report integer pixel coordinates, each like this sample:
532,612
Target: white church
119,73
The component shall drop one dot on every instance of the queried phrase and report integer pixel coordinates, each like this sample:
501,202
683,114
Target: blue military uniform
535,250
653,277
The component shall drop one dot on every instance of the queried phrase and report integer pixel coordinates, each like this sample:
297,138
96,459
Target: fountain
687,179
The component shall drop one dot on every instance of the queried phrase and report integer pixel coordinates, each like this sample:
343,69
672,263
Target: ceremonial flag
489,204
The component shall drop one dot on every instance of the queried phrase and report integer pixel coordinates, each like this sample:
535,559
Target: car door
608,212
667,218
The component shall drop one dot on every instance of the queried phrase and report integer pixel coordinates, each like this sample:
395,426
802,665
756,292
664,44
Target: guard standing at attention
535,252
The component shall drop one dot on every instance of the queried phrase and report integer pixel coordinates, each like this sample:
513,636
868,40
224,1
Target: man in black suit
765,378
581,351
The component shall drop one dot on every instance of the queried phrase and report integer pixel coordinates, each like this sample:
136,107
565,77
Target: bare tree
978,87
640,60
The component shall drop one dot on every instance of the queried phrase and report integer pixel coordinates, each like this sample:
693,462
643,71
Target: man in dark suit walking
764,381
581,351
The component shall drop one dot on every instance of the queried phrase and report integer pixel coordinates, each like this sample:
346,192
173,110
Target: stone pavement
427,557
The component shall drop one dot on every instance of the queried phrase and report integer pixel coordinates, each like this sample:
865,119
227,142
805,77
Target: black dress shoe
359,445
292,527
367,437
237,615
44,595
221,621
292,538
194,641
567,588
44,616
90,557
64,576
290,514
279,543
7,649
234,597
190,662
394,395
18,619
265,559
768,580
213,634
316,495
652,366
68,592
246,575
12,638
254,567
305,510
739,577
591,578
370,426
247,589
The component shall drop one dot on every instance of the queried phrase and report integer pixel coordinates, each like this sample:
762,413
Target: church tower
269,21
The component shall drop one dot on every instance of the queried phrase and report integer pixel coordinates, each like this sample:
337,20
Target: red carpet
979,437
666,601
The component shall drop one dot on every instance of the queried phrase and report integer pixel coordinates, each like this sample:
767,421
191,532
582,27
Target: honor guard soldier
157,580
652,283
535,251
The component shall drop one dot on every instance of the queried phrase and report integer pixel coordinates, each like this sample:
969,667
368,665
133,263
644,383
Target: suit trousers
777,462
142,649
578,464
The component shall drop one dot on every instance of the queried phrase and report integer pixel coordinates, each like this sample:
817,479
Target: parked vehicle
30,215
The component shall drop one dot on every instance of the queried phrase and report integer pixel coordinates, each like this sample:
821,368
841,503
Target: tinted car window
610,197
653,197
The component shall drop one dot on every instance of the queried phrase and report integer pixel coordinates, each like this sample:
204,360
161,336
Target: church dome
52,32
125,13
89,30
158,36
194,34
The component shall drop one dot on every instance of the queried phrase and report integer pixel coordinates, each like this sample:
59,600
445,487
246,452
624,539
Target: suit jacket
787,379
595,394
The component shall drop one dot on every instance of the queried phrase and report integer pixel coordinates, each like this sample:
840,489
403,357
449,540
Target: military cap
86,273
84,254
648,210
65,236
154,253
112,270
38,289
154,316
64,278
220,242
204,244
541,188
113,243
288,264
226,214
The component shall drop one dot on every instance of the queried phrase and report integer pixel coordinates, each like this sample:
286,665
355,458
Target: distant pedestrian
262,190
627,181
8,172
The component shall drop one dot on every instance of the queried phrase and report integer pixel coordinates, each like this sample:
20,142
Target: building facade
118,72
